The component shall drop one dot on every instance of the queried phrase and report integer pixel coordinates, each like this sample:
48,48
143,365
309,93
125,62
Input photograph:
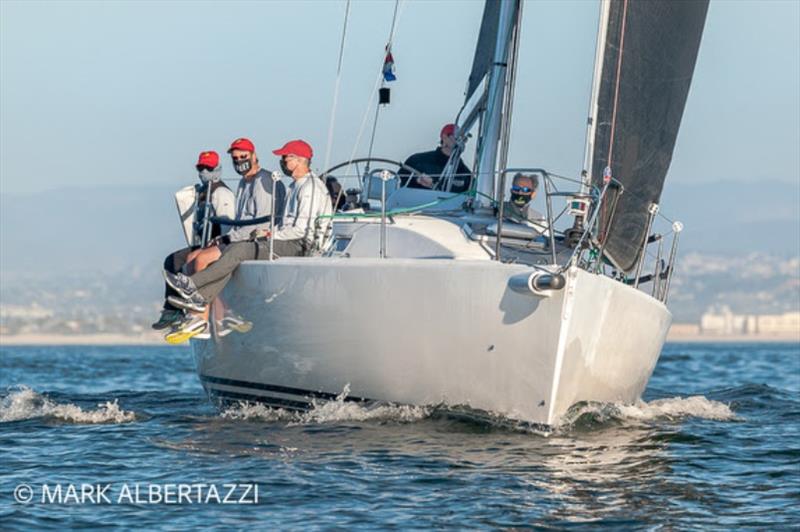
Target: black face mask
285,168
520,200
243,166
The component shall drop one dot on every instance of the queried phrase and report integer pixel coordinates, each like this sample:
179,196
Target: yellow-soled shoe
194,326
236,323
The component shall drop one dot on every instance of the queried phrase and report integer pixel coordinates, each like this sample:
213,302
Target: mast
492,120
591,122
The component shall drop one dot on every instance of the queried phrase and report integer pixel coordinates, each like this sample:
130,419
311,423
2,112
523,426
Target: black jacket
433,163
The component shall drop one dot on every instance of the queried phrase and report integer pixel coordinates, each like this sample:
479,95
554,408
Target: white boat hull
429,332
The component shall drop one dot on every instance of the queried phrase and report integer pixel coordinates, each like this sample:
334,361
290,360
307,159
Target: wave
668,409
337,410
580,415
24,403
696,406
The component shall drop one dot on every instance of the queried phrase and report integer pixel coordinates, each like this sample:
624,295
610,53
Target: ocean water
715,443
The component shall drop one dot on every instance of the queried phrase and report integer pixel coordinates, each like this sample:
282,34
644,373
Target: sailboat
431,297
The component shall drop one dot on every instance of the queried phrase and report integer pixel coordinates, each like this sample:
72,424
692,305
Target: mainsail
490,65
649,54
484,49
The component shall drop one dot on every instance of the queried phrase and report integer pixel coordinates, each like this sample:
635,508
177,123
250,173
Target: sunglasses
201,167
521,190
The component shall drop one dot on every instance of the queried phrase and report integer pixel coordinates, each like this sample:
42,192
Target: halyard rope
336,88
395,19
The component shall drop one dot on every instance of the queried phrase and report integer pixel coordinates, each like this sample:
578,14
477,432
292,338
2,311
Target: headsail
649,54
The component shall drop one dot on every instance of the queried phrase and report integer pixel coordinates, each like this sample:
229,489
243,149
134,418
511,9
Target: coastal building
721,321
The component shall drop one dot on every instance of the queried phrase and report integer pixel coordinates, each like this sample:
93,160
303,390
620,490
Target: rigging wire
395,21
335,103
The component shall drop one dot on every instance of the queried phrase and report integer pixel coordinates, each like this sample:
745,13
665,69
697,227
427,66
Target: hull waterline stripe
279,389
288,404
264,399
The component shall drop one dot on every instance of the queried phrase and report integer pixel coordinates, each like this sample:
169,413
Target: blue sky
130,92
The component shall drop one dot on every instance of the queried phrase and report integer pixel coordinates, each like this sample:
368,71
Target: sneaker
223,331
181,283
193,327
235,322
205,335
168,318
196,303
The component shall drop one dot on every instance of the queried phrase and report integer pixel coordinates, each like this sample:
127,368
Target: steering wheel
363,169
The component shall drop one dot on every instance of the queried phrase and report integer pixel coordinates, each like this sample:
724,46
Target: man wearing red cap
254,195
222,204
308,199
297,235
433,163
253,202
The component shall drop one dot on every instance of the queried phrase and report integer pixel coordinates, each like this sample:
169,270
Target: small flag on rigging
388,66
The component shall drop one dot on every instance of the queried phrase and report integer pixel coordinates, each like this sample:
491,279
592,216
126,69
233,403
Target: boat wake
24,403
580,416
338,410
585,415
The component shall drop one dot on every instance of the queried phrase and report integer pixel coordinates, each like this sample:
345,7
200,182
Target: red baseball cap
448,129
300,148
242,144
208,158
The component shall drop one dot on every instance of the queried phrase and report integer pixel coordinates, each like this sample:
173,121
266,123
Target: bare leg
206,257
199,259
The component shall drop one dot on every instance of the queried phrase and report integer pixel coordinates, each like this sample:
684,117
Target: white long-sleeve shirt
192,210
307,199
223,204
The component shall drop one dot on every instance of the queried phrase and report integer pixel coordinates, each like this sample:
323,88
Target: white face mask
210,176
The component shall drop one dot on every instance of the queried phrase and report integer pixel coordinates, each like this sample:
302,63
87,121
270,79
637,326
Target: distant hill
737,218
117,227
87,229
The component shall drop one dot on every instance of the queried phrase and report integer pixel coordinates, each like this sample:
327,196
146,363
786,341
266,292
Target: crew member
308,199
518,209
432,164
222,204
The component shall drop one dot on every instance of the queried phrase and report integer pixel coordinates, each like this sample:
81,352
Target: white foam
678,407
25,403
673,408
340,410
253,411
330,411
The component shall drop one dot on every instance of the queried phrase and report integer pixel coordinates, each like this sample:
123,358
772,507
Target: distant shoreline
158,339
732,339
81,339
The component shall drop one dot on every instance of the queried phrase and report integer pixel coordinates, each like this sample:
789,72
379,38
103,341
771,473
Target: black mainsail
484,49
649,55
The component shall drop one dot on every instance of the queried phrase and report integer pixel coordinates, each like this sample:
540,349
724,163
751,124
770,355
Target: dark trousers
213,279
173,264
